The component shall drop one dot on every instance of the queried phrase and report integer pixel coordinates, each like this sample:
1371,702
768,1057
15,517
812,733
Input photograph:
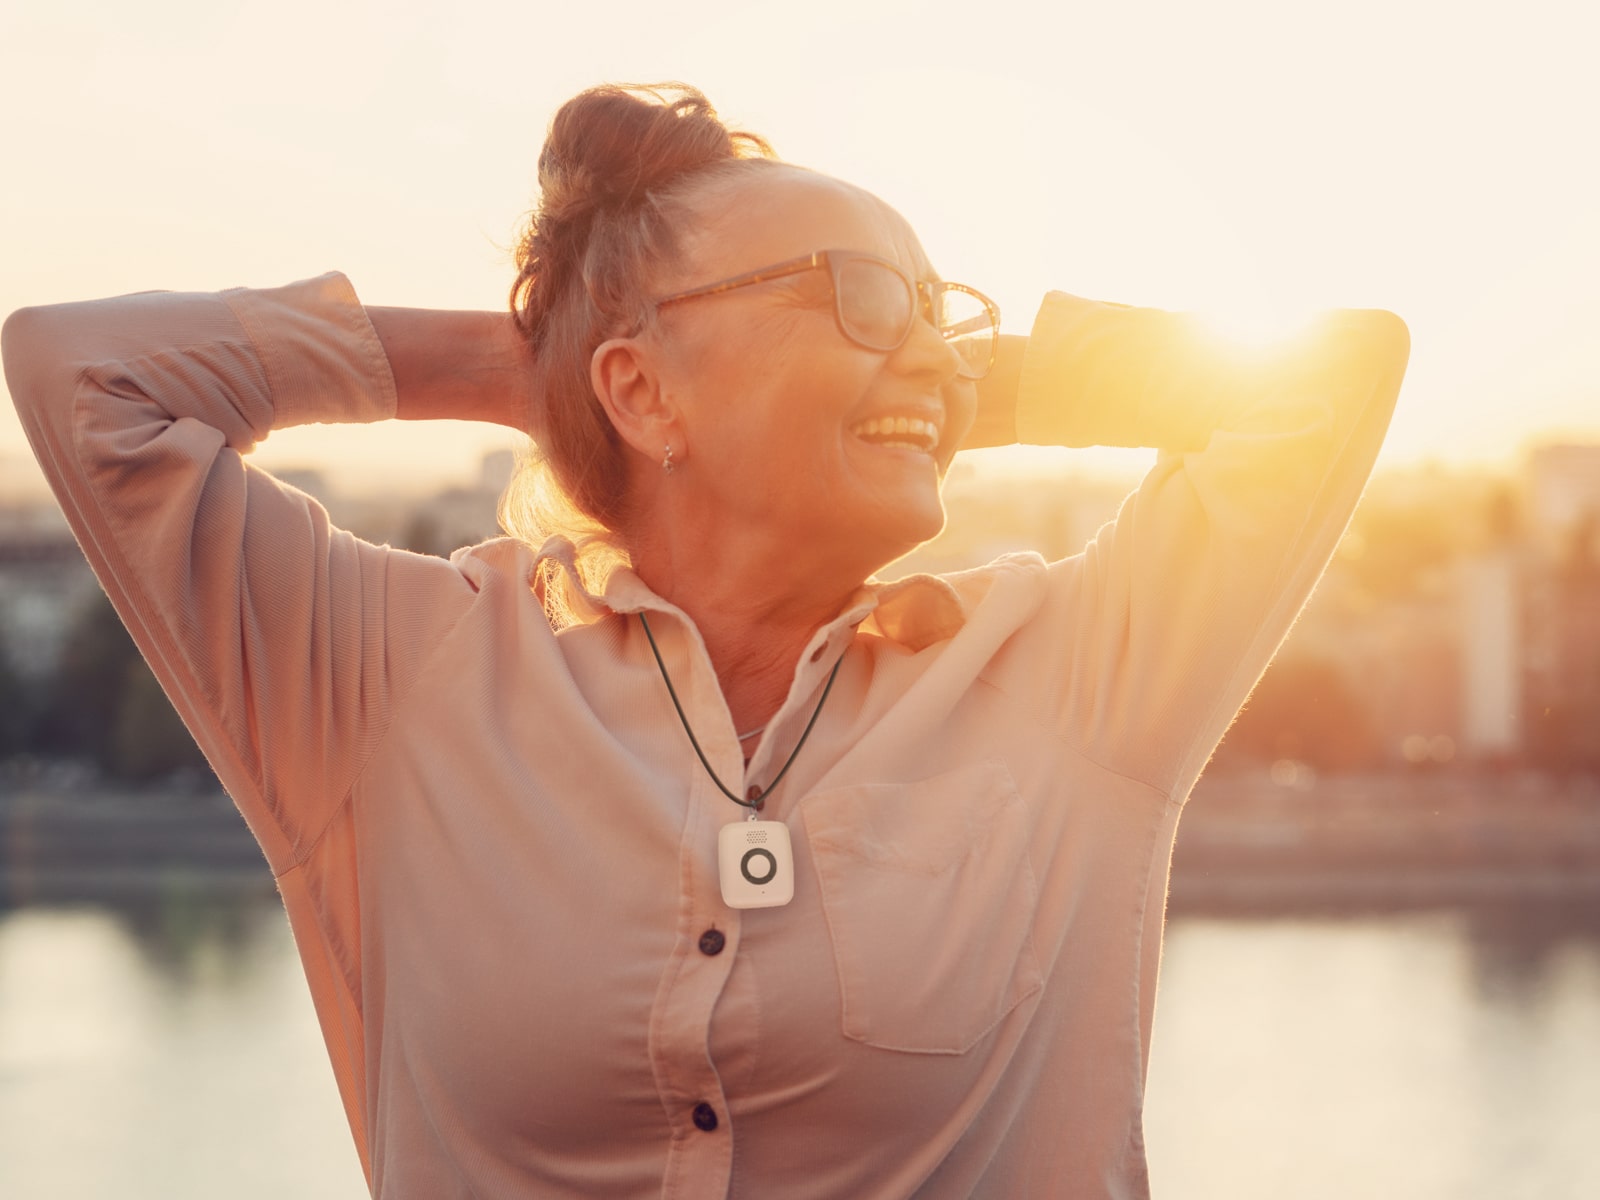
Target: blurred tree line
1304,710
102,705
105,706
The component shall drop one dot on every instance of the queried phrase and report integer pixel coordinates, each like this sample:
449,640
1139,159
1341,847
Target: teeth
912,432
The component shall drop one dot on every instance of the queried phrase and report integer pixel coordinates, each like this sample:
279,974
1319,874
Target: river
164,1046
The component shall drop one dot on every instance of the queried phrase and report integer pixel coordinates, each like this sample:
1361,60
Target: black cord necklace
756,803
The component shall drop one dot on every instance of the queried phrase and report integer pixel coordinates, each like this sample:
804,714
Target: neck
756,609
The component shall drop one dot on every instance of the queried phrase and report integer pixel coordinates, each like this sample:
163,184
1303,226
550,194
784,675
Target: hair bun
610,146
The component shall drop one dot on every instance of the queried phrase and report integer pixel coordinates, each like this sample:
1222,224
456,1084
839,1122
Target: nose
925,352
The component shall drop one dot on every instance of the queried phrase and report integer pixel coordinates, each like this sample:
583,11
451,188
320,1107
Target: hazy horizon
1240,159
23,484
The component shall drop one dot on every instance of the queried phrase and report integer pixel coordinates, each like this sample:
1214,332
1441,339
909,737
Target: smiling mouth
909,433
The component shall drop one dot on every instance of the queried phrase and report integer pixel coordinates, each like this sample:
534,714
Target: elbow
20,334
19,330
1388,337
26,341
1384,352
45,349
1372,346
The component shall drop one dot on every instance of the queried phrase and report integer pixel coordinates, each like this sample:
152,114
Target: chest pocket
930,899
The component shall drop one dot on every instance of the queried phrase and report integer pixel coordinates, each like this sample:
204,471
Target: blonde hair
617,173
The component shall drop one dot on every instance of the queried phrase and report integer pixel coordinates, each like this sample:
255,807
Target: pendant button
755,864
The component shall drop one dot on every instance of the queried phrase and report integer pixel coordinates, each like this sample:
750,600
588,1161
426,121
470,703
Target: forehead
785,212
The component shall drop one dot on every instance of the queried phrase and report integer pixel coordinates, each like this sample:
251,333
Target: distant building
343,510
1465,611
1491,655
44,583
495,470
1562,656
1404,661
1563,487
457,516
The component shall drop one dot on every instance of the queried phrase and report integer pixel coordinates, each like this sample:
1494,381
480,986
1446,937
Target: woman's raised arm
1172,612
284,642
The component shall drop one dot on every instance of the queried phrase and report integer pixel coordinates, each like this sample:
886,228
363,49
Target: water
167,1048
1444,1056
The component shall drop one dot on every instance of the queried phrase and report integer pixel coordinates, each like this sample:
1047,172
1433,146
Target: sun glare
1254,327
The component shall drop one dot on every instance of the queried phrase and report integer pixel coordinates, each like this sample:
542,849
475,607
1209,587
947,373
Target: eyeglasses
876,304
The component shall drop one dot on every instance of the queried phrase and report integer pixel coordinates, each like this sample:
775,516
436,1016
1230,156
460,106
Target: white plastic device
756,863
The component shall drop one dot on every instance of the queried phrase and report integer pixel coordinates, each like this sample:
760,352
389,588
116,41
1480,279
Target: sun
1255,326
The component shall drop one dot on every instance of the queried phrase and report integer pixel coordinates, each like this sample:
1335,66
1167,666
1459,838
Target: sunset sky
1246,156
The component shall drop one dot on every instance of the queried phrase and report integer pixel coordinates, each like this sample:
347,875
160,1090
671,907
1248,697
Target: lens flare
1255,327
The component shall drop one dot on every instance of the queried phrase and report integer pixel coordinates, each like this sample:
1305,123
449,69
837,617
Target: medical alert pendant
756,864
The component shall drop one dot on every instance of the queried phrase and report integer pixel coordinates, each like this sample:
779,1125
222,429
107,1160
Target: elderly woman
660,850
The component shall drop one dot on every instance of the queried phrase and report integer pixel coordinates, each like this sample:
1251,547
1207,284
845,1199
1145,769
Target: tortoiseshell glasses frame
874,314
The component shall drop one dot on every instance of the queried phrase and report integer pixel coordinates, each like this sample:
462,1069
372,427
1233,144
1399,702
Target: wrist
995,421
456,365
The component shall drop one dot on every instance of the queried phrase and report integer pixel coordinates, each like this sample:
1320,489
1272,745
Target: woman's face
782,415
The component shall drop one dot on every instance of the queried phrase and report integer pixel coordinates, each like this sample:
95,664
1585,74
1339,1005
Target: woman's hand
455,365
996,421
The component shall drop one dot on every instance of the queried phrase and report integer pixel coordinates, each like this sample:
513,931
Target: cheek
767,401
795,400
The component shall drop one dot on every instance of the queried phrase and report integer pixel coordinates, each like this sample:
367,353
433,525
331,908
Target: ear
627,382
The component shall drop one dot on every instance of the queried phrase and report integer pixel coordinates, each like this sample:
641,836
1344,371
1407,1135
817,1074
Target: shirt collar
915,611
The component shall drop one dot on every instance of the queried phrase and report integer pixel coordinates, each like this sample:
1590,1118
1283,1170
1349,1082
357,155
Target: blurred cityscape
1458,624
1436,707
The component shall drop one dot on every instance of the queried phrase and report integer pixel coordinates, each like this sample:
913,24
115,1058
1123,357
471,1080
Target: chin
929,527
910,529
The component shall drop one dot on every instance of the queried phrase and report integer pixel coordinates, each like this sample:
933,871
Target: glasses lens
967,324
875,303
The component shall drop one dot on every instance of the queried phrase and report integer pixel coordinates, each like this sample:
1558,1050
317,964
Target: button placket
680,1036
686,1078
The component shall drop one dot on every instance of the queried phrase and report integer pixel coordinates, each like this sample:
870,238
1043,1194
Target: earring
666,463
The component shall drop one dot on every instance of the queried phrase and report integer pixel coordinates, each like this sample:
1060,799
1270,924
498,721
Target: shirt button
712,941
705,1117
753,794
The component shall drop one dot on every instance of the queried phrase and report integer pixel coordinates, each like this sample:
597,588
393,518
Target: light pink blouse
497,848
